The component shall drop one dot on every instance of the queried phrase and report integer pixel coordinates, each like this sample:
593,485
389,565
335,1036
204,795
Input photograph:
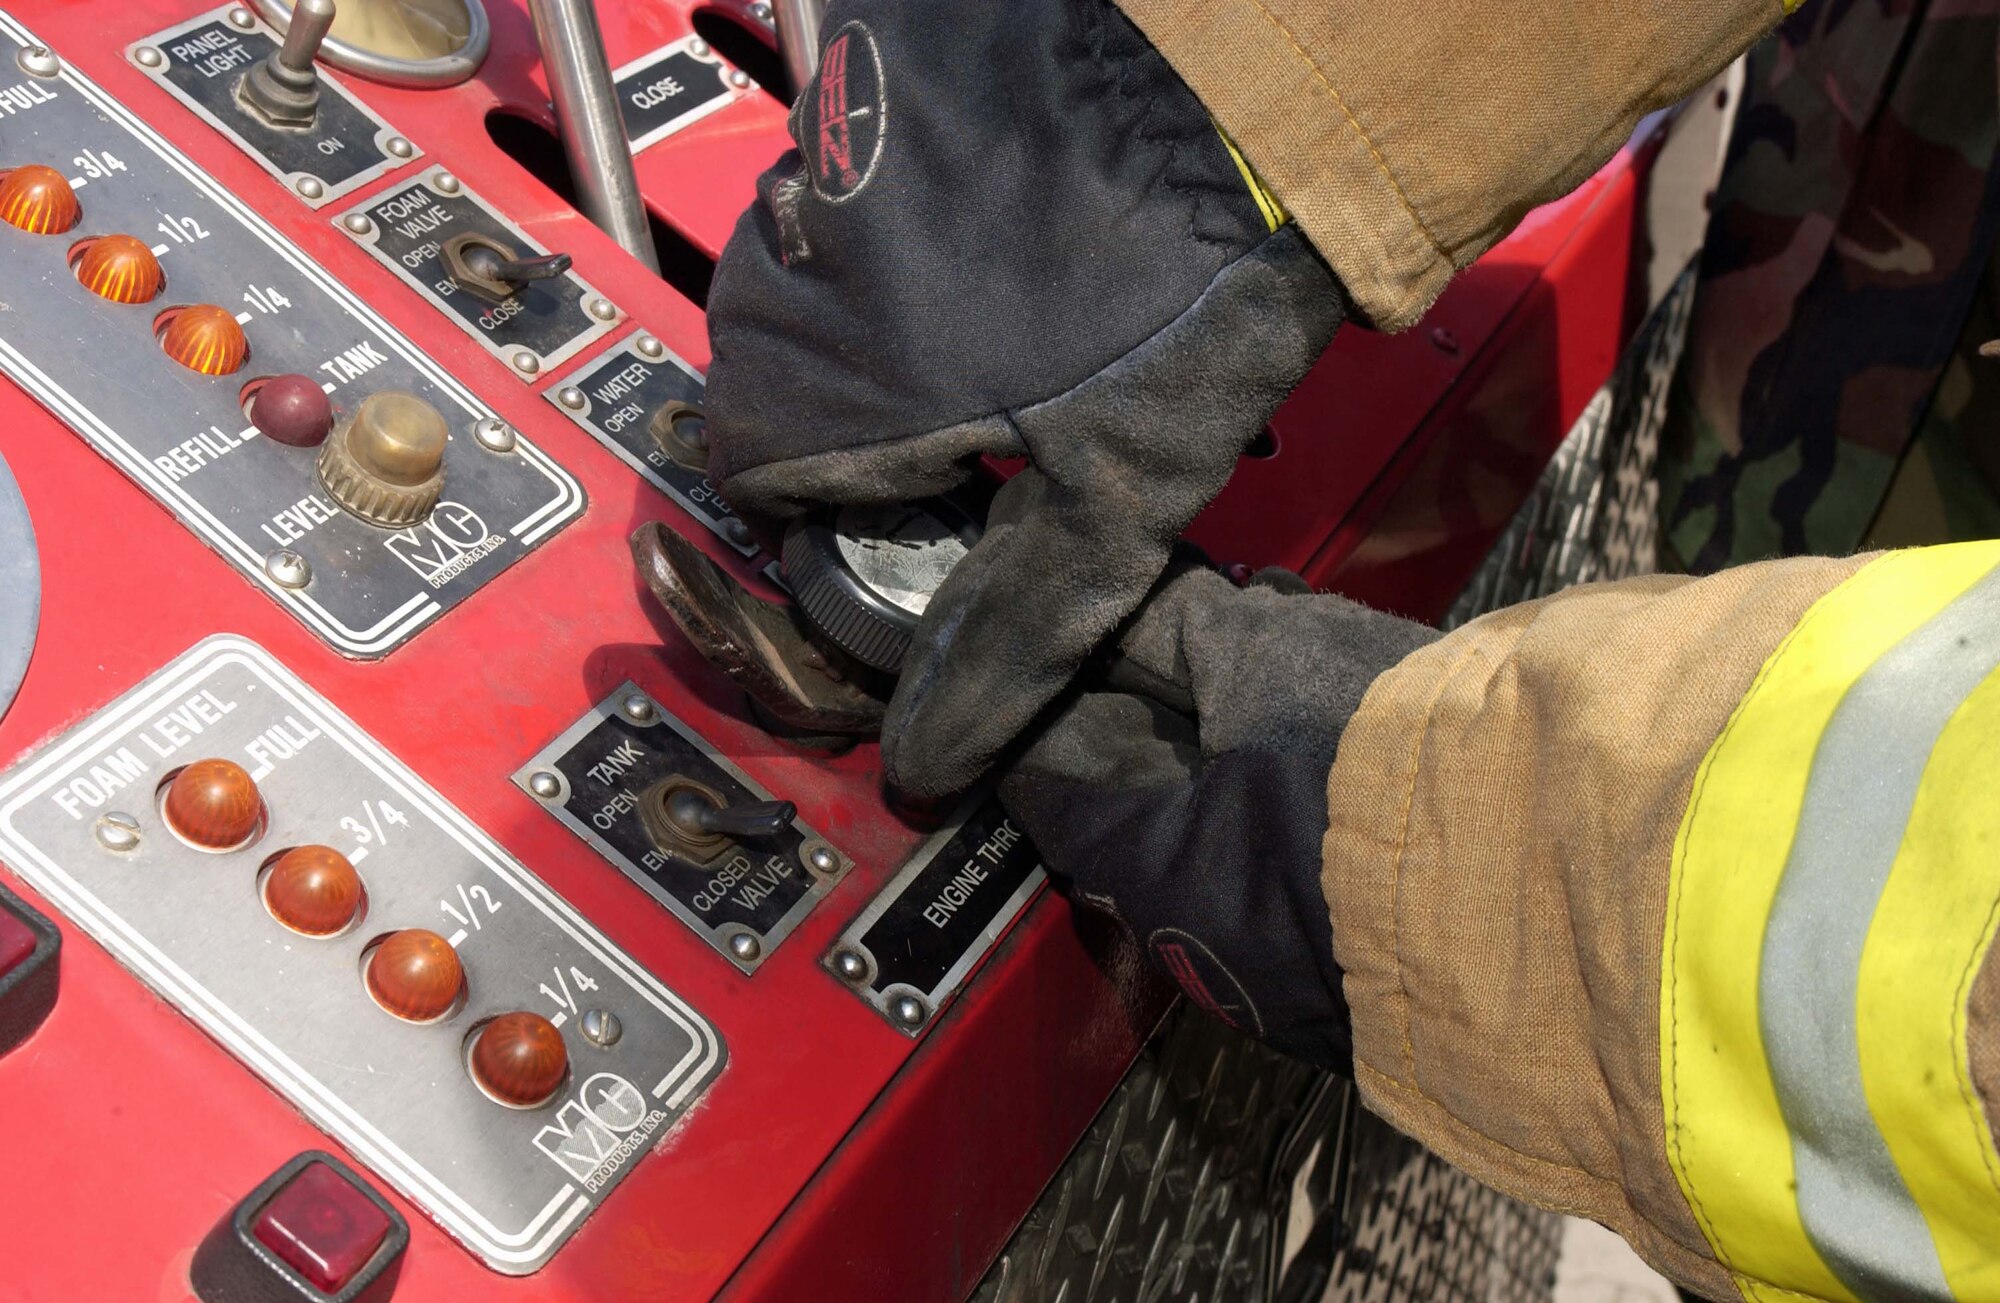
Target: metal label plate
919,939
183,437
201,62
744,901
544,323
662,92
512,1184
615,399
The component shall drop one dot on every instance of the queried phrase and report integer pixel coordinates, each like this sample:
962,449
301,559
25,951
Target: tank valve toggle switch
494,271
696,822
284,89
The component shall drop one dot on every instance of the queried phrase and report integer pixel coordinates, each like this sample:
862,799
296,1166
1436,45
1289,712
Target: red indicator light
314,890
415,974
324,1228
38,199
214,804
17,942
519,1059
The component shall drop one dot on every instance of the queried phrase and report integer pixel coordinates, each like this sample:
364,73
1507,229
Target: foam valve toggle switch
30,949
386,463
519,1060
293,410
415,974
203,338
118,267
312,1230
38,199
214,805
313,890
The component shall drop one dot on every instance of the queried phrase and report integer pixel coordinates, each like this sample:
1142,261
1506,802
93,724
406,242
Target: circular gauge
863,576
400,42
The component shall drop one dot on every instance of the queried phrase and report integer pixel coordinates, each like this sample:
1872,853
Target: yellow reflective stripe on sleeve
1931,931
1726,1134
1267,203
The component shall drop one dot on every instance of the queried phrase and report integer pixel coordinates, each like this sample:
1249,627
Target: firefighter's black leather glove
1184,789
1009,229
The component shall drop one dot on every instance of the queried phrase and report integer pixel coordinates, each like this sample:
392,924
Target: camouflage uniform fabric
1852,227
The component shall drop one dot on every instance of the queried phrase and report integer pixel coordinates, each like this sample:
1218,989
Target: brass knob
386,464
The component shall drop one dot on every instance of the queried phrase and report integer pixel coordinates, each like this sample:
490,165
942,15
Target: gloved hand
1183,789
1009,229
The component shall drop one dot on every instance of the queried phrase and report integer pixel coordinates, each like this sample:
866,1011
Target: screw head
821,858
38,61
288,569
649,346
735,531
639,708
601,308
399,147
357,223
494,434
571,397
739,78
850,965
149,56
241,17
601,1028
525,362
698,48
116,831
445,183
761,12
910,1011
545,784
745,947
310,187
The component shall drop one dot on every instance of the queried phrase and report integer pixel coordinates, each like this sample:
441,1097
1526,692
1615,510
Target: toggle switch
214,805
118,267
494,271
284,88
681,432
386,464
203,338
38,199
695,821
519,1060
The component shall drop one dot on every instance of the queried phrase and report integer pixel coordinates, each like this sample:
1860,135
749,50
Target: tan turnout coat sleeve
1407,138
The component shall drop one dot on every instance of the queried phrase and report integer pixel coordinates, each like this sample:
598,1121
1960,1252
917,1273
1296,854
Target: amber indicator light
203,338
414,974
519,1059
118,267
214,804
38,199
313,890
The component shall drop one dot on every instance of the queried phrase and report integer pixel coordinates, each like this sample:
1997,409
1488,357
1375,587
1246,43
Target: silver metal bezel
446,70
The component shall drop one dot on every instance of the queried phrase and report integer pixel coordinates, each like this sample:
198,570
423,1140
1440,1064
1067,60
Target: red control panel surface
835,1156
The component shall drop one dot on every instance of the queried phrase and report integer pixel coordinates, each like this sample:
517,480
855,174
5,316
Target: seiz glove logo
841,122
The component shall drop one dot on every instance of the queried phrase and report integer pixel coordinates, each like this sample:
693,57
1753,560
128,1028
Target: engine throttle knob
203,338
292,409
38,199
118,267
214,804
519,1059
415,974
313,890
386,464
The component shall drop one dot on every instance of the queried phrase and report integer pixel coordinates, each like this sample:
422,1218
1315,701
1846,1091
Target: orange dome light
38,199
415,974
313,890
118,267
203,338
214,804
519,1059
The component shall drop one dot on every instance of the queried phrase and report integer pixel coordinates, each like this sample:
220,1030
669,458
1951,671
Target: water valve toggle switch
386,463
284,88
494,271
694,820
